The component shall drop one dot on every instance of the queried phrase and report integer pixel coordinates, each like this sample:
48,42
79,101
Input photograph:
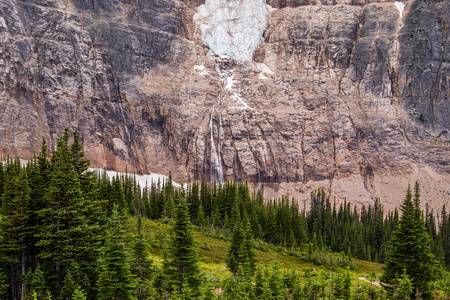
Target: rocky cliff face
346,95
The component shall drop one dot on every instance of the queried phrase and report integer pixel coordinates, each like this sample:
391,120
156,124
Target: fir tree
16,227
78,294
240,254
404,287
342,286
115,279
3,285
36,282
142,266
181,264
201,218
410,248
69,287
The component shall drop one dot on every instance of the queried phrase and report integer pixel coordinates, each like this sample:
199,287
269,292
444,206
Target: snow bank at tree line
142,180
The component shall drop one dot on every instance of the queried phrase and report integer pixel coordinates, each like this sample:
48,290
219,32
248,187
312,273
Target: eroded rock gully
345,95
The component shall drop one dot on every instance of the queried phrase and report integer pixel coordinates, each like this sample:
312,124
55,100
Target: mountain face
351,96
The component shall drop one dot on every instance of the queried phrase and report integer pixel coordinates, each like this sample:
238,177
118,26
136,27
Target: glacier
232,27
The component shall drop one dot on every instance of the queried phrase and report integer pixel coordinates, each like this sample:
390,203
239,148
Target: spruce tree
70,216
16,227
181,264
233,256
410,248
69,287
444,235
3,285
342,285
78,295
142,265
115,280
201,218
36,283
240,254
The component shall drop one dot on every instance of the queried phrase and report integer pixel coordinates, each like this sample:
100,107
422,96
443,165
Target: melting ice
232,27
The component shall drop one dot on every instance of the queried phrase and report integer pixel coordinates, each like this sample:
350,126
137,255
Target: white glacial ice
232,27
400,6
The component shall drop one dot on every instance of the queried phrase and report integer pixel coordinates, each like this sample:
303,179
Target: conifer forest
70,233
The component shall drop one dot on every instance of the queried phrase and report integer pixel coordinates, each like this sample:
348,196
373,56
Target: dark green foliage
410,251
115,280
78,295
57,237
181,265
17,227
240,254
69,287
36,282
342,284
403,288
443,241
3,285
142,266
234,252
201,218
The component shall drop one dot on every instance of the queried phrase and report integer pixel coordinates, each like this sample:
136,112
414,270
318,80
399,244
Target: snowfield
142,180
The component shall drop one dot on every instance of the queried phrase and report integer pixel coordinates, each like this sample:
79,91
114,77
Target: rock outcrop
347,95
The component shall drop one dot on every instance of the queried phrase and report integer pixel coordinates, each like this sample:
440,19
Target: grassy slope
213,260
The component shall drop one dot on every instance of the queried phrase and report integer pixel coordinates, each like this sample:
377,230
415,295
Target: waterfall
232,29
216,160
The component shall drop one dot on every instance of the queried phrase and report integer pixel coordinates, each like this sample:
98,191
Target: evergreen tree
342,286
404,287
240,254
234,251
3,285
410,248
181,264
71,218
16,227
69,287
36,283
78,294
142,266
444,236
238,288
201,218
115,280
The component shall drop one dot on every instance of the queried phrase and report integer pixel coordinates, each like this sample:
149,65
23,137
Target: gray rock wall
355,90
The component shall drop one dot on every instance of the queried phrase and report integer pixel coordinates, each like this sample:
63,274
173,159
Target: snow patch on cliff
232,27
237,97
201,70
400,6
230,82
262,76
265,69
